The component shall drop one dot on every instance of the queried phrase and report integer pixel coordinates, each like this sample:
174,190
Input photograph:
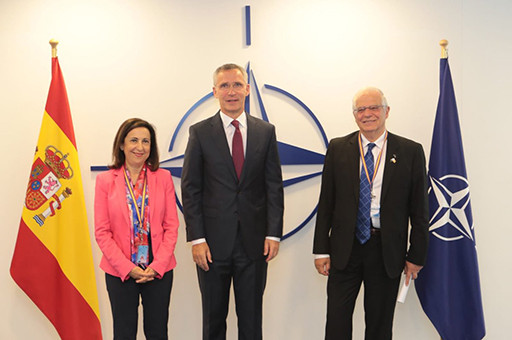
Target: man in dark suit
366,202
233,206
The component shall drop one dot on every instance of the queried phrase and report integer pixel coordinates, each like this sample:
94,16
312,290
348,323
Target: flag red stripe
37,272
57,105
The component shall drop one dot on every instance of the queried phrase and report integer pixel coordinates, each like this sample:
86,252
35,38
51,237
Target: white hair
383,100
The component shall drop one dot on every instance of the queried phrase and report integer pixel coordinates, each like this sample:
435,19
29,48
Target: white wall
154,59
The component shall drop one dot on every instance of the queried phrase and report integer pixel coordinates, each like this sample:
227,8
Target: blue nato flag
448,286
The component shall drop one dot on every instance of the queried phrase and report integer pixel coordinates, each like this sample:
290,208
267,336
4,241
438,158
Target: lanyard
140,213
361,152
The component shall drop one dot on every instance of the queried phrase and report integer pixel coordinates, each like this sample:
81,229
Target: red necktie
237,149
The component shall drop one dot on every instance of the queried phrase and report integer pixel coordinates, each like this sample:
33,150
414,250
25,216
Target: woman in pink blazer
136,228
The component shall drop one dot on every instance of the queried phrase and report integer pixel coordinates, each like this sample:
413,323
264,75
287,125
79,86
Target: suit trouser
380,292
124,301
249,278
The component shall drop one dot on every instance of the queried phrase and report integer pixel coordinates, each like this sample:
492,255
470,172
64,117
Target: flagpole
54,44
444,55
444,50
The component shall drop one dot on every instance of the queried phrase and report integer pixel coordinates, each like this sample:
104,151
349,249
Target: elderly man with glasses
374,184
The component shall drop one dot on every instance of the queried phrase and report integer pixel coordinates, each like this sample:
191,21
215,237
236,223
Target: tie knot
236,124
370,146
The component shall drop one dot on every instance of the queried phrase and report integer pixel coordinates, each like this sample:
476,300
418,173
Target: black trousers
124,301
380,292
249,278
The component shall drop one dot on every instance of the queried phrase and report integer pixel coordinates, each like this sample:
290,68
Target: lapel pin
393,159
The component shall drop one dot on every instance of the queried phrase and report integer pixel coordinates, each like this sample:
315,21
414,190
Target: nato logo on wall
301,142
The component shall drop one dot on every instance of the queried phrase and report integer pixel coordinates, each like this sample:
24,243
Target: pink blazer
112,222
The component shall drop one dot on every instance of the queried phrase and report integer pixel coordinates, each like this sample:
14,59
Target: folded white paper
402,294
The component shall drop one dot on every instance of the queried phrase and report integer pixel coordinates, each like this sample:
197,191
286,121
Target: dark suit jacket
403,199
215,202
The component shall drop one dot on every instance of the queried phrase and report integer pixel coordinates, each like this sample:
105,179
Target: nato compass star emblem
450,208
301,164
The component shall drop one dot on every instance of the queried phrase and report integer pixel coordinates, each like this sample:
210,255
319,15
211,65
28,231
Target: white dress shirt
230,129
380,146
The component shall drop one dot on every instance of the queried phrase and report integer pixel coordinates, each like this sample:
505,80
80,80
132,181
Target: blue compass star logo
450,208
301,166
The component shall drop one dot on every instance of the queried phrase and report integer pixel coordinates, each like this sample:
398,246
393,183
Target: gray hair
383,100
227,67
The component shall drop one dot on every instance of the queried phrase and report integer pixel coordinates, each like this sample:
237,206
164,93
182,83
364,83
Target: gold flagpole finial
54,44
444,51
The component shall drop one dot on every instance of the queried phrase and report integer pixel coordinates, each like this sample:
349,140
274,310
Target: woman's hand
142,275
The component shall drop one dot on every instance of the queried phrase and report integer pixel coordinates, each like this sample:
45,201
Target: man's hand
270,249
411,271
323,265
202,256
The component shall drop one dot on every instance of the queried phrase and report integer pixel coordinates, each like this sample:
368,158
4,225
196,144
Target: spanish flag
52,261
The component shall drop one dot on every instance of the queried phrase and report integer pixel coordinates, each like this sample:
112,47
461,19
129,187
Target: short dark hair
118,158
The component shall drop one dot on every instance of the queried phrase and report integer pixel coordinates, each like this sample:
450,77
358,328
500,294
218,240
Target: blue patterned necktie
365,198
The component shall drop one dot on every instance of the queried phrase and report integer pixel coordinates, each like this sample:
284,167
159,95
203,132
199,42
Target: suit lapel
219,137
354,164
120,187
392,152
252,145
151,177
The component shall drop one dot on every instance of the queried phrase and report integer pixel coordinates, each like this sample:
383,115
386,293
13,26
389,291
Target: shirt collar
379,143
226,120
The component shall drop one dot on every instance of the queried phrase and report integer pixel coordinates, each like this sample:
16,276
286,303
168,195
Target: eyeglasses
372,108
235,86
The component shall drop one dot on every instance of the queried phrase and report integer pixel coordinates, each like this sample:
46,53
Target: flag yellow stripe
68,230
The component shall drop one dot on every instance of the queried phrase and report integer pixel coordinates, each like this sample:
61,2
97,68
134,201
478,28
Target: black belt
374,231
